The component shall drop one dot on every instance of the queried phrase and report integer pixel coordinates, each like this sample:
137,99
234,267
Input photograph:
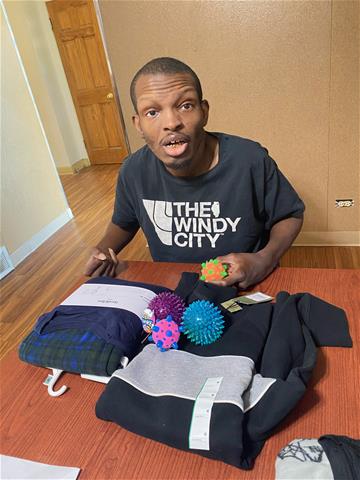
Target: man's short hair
168,66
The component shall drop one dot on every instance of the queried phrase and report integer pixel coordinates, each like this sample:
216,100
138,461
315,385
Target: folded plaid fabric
86,338
73,350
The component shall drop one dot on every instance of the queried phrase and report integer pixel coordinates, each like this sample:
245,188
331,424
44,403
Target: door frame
114,86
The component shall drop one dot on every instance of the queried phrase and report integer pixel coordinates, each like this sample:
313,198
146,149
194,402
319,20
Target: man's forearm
115,238
281,238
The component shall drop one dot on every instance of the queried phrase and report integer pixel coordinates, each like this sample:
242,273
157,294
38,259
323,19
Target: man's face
171,119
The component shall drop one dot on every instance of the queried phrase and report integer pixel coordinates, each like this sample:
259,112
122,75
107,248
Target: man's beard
180,165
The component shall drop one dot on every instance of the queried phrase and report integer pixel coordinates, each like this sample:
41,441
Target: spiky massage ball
203,323
167,303
213,270
165,334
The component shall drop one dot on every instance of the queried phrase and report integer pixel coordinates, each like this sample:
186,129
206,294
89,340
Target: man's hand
103,260
245,269
101,264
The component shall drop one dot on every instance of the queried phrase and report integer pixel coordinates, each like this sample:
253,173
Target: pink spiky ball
167,303
165,334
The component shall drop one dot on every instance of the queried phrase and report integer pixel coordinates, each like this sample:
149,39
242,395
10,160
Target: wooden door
79,40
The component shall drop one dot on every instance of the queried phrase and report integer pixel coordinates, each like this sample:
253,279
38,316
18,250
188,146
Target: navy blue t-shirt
229,209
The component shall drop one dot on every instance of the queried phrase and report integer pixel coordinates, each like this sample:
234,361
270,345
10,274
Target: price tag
199,436
253,298
234,304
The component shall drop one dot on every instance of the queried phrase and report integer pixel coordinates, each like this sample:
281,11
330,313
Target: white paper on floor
12,468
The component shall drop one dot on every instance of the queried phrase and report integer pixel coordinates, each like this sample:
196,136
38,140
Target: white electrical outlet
347,202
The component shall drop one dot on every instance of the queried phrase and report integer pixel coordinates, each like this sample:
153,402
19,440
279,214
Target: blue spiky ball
203,323
167,303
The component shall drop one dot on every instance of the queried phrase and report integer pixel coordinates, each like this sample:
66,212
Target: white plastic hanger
54,378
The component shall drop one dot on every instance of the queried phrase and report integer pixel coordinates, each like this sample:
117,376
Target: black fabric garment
190,288
344,456
280,339
231,208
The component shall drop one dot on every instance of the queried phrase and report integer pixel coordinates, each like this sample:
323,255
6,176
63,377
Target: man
197,195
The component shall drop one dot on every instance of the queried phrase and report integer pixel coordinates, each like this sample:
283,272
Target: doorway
76,27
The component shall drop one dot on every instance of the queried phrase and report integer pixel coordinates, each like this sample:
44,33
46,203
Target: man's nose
172,120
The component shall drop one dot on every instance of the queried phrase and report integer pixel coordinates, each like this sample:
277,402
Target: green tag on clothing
232,305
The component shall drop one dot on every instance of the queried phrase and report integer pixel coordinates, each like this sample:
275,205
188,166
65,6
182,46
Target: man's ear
205,109
136,123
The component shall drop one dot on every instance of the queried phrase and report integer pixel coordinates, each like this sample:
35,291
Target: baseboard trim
75,167
349,239
33,243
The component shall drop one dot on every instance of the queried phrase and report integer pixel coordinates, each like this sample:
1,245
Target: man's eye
186,106
151,113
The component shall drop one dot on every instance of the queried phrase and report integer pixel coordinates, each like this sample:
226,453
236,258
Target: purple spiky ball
167,303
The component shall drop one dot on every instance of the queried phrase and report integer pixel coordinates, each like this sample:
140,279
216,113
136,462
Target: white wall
285,73
39,53
33,204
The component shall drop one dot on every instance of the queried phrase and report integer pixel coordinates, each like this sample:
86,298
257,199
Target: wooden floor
42,279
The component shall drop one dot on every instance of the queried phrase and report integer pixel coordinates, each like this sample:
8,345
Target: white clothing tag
254,298
134,299
259,297
199,436
124,361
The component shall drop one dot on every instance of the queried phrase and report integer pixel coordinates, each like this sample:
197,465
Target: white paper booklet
134,299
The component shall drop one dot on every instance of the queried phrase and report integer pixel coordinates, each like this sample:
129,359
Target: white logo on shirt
188,224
